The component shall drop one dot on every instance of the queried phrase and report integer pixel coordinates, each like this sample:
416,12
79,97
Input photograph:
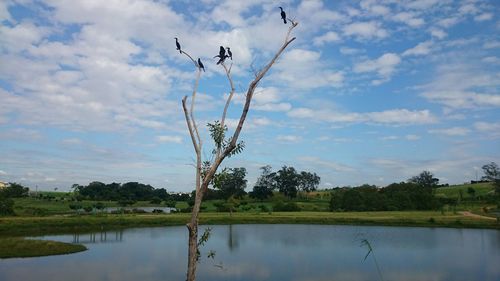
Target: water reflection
100,237
272,252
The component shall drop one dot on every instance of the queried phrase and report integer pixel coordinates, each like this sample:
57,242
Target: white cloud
21,36
409,19
401,116
387,138
365,30
265,99
349,51
438,33
448,22
328,37
288,138
412,137
169,139
384,66
374,8
421,49
488,128
388,117
304,69
422,4
454,131
3,173
463,86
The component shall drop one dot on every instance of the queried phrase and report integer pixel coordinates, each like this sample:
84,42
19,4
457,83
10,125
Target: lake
272,252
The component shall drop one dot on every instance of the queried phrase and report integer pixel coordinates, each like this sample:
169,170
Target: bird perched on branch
229,53
178,45
222,52
283,15
200,65
222,55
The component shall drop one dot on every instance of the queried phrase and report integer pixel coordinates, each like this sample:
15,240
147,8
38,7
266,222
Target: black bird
200,65
178,45
283,15
229,53
222,52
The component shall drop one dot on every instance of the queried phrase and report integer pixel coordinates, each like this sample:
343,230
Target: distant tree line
395,197
130,191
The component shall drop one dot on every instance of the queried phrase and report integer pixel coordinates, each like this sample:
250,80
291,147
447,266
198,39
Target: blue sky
372,91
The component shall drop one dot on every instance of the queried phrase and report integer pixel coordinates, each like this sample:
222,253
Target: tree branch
190,127
193,97
228,101
253,86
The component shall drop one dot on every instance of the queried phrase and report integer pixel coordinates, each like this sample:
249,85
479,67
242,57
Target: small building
3,185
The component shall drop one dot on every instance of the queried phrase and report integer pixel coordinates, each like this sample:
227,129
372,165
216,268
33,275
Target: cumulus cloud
438,33
409,19
484,17
328,37
421,49
304,69
384,66
365,30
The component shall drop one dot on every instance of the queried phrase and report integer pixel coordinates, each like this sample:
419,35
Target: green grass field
454,190
16,247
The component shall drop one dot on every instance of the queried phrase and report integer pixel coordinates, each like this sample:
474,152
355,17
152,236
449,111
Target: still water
272,252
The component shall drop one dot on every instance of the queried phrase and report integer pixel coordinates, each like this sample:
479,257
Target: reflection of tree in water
232,239
98,237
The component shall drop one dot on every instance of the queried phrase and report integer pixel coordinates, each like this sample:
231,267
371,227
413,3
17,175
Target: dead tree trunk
205,176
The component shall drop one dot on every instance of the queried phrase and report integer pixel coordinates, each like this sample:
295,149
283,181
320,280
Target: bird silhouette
283,15
200,65
178,45
229,53
222,52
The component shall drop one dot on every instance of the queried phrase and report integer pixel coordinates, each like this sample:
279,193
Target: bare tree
224,147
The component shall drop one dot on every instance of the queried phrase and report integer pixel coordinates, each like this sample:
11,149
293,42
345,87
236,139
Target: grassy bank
23,226
23,248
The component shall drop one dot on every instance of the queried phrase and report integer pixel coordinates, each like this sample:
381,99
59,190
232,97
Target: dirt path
469,214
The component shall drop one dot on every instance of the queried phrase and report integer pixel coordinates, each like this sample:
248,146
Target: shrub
286,207
221,207
6,206
264,208
170,203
